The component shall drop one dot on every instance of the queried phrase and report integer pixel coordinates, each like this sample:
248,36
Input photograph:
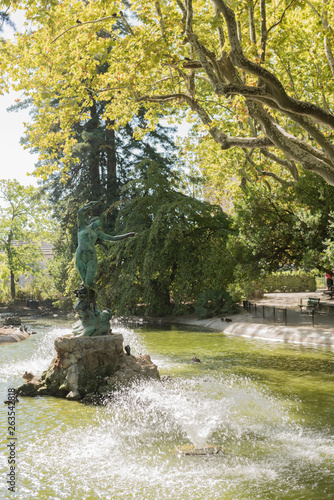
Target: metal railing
273,314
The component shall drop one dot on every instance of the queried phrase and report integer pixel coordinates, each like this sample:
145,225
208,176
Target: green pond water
268,405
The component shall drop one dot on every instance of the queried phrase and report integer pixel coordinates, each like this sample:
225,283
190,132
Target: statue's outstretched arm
107,237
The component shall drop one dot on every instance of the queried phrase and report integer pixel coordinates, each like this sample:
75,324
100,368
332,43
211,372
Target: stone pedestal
89,366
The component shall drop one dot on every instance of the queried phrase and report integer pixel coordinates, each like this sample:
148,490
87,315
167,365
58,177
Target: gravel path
291,300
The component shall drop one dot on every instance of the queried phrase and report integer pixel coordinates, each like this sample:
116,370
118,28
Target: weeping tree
103,161
179,250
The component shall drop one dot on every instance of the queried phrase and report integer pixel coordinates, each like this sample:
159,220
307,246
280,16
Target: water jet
191,450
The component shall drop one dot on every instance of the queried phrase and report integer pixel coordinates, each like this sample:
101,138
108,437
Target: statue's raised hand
91,203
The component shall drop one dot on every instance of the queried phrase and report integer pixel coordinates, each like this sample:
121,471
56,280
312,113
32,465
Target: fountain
92,364
269,406
252,420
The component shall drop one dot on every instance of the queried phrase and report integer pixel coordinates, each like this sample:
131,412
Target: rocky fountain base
89,369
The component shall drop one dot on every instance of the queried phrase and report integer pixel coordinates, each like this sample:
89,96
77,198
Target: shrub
214,302
289,282
23,294
65,304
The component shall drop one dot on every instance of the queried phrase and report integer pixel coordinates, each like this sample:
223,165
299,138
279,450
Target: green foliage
118,62
89,80
241,289
328,253
180,242
214,302
64,304
285,227
24,223
4,277
62,265
103,161
289,282
42,286
281,281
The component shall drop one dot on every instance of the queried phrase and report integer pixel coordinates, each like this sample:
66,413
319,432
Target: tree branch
274,176
329,54
311,129
285,163
219,136
262,95
161,19
79,25
264,31
294,149
273,85
248,142
220,32
252,32
281,18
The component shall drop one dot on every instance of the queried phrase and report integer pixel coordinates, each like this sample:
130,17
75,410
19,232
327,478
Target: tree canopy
253,78
284,228
24,222
257,76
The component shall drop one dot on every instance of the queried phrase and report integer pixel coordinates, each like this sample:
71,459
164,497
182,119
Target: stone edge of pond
13,335
277,333
243,325
280,333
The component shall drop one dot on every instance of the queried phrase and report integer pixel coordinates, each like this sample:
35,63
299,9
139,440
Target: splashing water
34,356
126,450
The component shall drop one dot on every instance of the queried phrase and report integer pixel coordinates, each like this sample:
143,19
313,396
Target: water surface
269,406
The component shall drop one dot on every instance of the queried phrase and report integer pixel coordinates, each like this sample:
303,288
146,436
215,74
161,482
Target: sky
15,162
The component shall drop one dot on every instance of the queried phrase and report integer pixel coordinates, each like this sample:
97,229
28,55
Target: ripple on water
126,450
128,447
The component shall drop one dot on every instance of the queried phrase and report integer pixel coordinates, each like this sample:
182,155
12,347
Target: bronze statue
92,322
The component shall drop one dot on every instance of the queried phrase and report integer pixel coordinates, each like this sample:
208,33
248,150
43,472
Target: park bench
330,292
312,305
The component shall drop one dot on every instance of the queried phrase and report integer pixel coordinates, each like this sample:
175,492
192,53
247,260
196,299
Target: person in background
329,280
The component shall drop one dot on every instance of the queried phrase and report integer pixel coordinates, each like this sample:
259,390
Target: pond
268,406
